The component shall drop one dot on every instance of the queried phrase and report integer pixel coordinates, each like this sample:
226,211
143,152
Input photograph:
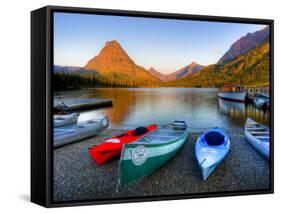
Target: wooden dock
82,104
253,90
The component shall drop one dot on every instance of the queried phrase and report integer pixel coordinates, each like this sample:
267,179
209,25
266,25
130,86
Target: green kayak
150,152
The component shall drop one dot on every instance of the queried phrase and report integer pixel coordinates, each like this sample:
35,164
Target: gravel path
78,177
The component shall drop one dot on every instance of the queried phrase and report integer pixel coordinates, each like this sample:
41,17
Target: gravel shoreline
78,177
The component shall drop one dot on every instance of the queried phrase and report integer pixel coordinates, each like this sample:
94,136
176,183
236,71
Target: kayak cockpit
214,137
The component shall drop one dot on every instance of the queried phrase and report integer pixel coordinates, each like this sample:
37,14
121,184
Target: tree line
66,80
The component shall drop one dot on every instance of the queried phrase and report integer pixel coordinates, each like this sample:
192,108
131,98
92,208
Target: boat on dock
258,136
150,152
64,120
80,104
232,93
73,133
210,150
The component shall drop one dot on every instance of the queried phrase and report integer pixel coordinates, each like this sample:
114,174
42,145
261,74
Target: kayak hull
210,156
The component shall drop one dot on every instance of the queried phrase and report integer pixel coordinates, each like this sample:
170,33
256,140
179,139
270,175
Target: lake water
201,108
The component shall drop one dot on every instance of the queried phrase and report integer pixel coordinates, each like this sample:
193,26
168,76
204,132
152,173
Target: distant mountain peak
181,73
157,74
151,68
112,57
245,44
113,61
112,42
65,69
187,70
193,63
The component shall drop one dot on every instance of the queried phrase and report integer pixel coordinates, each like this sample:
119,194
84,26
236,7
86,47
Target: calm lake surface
201,108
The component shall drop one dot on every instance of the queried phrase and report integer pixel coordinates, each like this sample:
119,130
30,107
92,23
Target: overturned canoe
150,152
69,134
67,119
210,150
112,147
258,136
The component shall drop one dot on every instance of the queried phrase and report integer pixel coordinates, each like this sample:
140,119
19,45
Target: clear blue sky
166,45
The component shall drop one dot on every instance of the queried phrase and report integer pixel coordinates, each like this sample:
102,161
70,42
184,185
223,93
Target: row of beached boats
145,149
67,130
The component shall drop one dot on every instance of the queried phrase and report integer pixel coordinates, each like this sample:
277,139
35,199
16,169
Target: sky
164,44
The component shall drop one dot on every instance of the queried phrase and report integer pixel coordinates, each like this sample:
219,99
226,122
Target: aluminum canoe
258,136
73,133
63,120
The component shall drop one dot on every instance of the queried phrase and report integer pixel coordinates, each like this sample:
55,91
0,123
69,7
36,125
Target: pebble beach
78,177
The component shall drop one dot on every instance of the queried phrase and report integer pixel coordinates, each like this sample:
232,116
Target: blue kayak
210,150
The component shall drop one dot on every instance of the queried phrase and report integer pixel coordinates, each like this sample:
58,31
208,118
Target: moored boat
261,101
232,93
210,150
258,136
112,147
73,133
150,152
67,119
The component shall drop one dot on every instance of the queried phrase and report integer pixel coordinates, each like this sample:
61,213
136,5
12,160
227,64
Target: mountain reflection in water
141,106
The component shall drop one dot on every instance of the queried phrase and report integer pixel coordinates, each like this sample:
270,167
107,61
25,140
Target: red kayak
112,147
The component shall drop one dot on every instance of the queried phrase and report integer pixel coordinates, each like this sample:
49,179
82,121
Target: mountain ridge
249,68
181,73
63,68
245,44
157,74
247,61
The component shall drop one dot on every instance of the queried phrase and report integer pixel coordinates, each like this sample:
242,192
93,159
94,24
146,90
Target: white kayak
210,150
73,133
67,119
258,136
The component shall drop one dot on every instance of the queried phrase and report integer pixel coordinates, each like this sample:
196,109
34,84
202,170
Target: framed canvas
134,106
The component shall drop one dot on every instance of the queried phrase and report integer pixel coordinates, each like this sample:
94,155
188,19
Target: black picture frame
42,102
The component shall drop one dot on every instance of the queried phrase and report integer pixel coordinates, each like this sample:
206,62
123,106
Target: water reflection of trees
122,101
140,106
